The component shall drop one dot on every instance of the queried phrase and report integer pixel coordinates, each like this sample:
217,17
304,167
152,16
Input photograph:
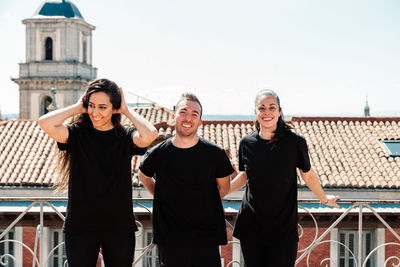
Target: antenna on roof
140,101
366,108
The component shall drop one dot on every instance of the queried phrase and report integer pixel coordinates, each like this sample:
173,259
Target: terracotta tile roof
345,152
26,154
154,114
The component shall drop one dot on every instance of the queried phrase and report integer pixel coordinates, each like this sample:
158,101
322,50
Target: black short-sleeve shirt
100,181
269,206
187,208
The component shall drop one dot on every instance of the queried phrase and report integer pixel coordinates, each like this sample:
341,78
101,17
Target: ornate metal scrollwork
2,257
329,259
302,231
5,258
388,259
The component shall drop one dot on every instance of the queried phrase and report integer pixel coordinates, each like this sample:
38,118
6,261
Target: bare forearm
223,184
51,122
239,181
148,182
222,192
57,117
234,174
312,182
150,185
146,131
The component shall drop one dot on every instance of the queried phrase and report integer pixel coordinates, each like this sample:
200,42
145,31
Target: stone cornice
57,19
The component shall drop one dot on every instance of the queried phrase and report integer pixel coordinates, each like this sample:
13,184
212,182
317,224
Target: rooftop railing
38,205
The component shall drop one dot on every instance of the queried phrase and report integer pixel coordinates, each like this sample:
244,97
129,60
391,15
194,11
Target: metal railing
303,254
358,260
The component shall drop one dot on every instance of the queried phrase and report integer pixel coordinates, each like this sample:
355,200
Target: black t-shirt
269,206
187,208
100,181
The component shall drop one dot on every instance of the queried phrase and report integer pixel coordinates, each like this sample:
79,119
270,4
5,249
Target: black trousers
189,257
82,249
257,253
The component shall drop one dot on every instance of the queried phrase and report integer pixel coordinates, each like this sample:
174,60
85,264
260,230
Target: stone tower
58,59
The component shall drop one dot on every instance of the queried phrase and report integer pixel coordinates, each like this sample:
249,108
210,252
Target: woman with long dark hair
268,161
95,164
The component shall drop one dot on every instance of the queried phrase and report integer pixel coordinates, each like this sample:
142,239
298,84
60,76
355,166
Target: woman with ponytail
268,161
95,164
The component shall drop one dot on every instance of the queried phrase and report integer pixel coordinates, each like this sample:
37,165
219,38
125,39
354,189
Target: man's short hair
190,97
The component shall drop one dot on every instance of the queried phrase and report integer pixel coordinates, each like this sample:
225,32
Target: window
350,239
59,256
392,147
7,248
49,49
45,103
151,258
84,52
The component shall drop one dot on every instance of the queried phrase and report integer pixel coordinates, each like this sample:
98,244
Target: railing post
35,256
41,247
360,235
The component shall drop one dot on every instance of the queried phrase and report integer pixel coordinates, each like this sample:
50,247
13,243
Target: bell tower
58,59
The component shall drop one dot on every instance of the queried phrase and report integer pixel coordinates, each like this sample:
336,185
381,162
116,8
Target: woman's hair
105,86
282,127
94,86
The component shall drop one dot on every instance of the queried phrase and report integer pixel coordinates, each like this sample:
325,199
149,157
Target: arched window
49,49
45,103
84,52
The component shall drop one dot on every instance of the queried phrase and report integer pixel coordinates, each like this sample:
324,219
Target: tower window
49,49
84,52
46,101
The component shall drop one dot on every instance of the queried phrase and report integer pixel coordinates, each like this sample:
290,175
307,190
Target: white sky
321,57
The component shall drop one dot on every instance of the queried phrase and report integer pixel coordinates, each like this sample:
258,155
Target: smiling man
187,176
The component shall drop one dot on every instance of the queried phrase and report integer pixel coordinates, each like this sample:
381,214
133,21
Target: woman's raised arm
146,132
52,122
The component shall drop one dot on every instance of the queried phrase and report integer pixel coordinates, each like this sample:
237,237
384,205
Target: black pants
258,253
82,249
189,257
